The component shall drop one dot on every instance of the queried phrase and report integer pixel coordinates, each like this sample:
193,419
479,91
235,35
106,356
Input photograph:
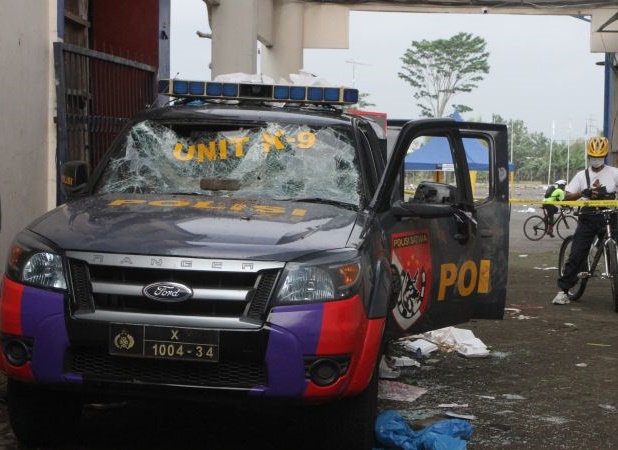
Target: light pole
551,145
354,64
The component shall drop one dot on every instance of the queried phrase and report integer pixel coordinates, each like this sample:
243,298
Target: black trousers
588,226
551,210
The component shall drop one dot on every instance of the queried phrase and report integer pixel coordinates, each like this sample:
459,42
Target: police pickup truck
248,242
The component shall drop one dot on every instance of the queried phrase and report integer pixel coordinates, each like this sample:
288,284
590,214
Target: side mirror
430,192
73,178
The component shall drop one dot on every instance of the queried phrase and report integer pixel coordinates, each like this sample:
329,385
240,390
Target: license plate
149,341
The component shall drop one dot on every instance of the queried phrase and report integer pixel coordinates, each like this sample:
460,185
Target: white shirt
607,176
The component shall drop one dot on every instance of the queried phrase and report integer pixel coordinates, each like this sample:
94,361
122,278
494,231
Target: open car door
448,234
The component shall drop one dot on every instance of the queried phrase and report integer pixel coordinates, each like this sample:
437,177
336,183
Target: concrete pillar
234,36
285,56
611,107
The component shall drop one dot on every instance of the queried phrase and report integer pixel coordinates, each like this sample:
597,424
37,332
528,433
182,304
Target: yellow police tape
574,203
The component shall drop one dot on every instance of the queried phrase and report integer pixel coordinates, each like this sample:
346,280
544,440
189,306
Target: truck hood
197,226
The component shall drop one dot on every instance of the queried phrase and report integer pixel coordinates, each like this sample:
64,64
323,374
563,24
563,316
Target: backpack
550,189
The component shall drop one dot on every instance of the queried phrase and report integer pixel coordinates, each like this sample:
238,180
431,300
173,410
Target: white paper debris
420,347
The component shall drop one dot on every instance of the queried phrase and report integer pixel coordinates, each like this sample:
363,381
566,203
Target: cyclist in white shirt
598,182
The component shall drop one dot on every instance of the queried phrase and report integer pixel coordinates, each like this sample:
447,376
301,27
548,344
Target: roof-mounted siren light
255,91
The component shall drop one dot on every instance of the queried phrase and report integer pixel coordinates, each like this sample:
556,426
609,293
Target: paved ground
550,381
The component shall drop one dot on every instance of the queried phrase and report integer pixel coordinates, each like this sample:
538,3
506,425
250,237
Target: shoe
561,298
550,231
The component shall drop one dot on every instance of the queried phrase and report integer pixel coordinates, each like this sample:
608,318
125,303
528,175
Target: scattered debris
420,347
453,405
523,317
607,407
546,268
401,392
523,306
458,339
394,431
513,397
582,365
598,345
404,361
460,416
386,372
554,419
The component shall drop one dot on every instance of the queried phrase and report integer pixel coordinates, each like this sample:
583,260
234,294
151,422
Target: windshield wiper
219,184
323,201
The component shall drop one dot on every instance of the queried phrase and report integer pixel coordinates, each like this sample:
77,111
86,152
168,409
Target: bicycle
535,227
604,245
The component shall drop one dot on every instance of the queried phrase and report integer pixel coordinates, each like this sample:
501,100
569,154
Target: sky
541,69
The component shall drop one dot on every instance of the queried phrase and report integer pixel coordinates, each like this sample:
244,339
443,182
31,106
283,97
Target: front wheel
612,257
565,250
566,226
348,423
40,416
535,228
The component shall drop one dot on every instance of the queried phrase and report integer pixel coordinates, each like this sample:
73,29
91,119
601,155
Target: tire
535,228
613,271
41,417
566,226
348,423
565,250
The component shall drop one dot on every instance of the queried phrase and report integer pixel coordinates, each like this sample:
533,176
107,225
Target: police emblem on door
412,258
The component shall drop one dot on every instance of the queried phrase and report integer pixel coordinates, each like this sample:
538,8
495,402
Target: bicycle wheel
566,226
577,290
535,228
612,257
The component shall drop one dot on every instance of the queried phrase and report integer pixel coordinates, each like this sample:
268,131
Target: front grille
106,282
99,366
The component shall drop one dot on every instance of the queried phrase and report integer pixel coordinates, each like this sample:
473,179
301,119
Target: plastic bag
393,431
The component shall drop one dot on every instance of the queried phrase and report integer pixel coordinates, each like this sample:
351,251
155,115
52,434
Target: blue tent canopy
437,152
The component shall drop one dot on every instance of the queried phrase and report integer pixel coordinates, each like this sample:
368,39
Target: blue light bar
350,96
196,87
214,89
315,94
281,92
258,92
180,87
332,94
163,86
298,93
230,89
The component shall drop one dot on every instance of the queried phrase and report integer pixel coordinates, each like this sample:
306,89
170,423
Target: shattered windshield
271,160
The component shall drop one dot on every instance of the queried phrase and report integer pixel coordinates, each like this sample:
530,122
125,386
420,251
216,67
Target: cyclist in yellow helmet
599,181
556,195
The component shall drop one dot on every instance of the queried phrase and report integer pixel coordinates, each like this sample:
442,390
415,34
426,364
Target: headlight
34,263
326,279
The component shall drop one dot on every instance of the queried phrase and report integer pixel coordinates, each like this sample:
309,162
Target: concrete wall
27,109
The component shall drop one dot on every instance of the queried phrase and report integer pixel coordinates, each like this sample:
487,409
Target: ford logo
167,291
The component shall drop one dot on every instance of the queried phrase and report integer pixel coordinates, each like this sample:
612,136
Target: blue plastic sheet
393,432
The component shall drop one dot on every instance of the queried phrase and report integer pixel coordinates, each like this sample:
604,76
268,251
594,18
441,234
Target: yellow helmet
597,147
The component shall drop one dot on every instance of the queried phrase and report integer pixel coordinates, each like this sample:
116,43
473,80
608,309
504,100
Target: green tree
440,69
531,153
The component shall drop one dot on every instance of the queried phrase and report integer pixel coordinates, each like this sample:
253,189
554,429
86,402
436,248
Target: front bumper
275,360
